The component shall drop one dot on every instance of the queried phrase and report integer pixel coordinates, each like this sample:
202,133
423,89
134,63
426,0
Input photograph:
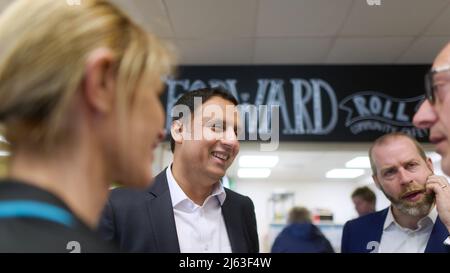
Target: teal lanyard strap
35,209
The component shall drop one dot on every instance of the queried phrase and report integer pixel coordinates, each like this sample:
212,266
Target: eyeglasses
430,87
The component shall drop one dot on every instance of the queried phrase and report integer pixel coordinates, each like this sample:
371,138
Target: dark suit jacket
358,234
143,221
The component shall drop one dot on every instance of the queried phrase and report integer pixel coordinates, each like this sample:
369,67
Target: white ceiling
298,31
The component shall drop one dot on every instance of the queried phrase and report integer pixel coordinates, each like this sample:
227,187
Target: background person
300,235
79,102
364,200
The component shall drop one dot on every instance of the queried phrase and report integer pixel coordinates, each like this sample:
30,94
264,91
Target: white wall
332,195
382,201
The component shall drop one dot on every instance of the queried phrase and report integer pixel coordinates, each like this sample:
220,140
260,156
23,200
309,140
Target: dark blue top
301,238
34,220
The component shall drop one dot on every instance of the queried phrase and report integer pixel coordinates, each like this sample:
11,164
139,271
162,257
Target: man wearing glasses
434,114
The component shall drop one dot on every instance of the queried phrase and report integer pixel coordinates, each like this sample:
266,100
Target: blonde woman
79,105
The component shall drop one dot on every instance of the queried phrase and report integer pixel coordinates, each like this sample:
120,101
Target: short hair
299,215
366,194
387,137
43,51
205,94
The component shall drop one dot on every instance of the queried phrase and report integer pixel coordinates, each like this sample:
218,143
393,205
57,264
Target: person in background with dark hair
364,200
301,236
187,209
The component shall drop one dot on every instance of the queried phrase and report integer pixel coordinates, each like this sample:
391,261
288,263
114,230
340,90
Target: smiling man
187,209
411,224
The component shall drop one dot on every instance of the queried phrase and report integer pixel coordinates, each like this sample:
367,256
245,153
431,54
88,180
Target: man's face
210,142
362,206
402,174
436,117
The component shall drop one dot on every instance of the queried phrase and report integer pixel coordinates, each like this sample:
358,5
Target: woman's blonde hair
44,45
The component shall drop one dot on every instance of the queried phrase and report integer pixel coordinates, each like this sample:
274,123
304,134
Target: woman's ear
98,88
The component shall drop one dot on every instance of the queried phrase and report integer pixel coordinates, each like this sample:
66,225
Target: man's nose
405,177
230,138
426,116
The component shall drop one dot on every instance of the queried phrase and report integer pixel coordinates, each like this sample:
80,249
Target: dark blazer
358,234
143,221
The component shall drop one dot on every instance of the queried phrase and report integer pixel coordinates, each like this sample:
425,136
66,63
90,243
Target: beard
417,208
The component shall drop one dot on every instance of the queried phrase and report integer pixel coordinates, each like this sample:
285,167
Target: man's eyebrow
387,169
410,161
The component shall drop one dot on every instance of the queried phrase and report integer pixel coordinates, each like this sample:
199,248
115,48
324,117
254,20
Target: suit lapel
234,225
437,237
379,225
373,232
161,216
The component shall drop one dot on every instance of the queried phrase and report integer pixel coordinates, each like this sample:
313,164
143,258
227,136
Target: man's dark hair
205,94
365,194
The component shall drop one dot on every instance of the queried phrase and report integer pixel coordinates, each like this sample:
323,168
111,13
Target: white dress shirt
397,239
199,228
